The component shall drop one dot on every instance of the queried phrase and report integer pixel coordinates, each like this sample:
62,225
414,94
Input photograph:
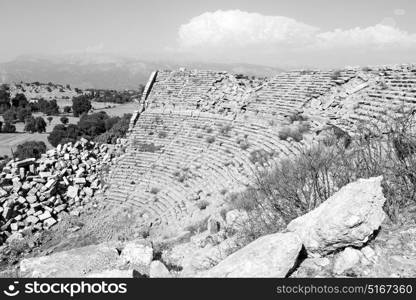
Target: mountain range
105,71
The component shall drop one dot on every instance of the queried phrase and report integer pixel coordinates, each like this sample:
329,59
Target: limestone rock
348,218
112,274
346,260
158,270
137,254
272,255
73,263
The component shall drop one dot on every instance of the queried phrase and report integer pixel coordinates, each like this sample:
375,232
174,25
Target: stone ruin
196,136
34,192
195,140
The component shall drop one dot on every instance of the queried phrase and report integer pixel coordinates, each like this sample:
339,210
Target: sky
294,33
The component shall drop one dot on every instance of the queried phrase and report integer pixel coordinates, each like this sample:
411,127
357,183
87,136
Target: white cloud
95,48
239,28
235,28
374,36
399,12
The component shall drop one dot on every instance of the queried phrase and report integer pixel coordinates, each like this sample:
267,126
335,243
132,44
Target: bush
92,125
30,124
40,124
64,120
8,128
110,122
23,113
64,134
336,75
296,186
30,149
49,118
162,134
20,100
10,116
35,125
118,130
47,107
80,105
154,190
149,147
210,139
67,109
294,131
4,98
225,130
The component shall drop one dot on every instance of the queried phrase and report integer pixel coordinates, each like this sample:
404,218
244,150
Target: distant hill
104,71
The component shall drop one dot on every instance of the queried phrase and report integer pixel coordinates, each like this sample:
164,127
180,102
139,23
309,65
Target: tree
67,109
52,108
23,113
8,128
49,119
93,125
9,116
30,149
64,120
110,122
118,130
20,100
4,98
61,134
30,124
80,105
40,124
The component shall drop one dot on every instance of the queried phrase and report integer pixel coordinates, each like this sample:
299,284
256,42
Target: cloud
95,48
399,12
377,36
237,29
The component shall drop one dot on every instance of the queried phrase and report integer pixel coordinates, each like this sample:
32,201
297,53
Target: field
9,141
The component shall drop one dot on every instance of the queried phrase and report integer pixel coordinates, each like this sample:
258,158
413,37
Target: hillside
101,70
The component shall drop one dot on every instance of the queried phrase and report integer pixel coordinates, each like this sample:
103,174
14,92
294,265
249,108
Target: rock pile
347,219
34,192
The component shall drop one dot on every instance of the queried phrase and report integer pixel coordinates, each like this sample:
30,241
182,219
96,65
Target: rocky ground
41,200
349,235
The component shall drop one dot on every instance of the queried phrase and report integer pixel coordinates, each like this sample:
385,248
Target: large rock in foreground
72,263
112,259
348,218
272,255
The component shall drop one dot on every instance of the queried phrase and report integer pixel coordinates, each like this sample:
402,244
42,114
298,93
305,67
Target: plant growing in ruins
162,134
336,75
295,131
297,185
225,130
243,143
149,147
210,139
202,204
154,190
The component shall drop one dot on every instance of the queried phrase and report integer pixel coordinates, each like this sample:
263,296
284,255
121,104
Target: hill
102,71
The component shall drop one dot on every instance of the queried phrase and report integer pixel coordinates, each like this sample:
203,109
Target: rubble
33,193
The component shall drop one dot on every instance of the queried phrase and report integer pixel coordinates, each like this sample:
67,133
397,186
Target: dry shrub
295,186
294,131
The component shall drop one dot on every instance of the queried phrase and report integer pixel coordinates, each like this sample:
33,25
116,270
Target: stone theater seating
193,139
